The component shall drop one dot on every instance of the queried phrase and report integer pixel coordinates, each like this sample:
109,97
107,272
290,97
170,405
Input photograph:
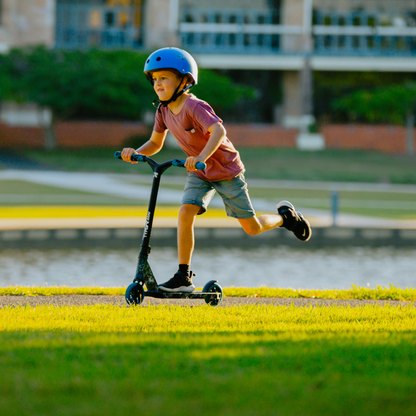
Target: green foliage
220,92
78,83
94,84
333,86
353,80
382,105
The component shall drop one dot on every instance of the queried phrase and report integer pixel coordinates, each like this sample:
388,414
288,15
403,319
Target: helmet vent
158,58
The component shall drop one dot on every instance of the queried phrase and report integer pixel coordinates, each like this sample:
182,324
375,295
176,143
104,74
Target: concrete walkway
82,300
126,186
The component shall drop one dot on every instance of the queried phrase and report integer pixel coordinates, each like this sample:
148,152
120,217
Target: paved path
80,300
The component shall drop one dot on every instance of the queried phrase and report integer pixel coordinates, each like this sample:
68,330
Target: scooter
144,283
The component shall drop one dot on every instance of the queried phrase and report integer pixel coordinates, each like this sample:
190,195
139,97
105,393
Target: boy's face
165,84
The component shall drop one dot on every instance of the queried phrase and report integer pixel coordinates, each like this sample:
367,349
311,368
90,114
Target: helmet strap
157,103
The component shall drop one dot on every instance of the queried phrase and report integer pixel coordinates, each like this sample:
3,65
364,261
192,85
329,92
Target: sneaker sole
290,205
183,289
309,228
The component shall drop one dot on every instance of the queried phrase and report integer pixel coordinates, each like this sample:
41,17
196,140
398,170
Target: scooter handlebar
176,162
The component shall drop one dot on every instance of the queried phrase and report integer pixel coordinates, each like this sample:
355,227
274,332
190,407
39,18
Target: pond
280,266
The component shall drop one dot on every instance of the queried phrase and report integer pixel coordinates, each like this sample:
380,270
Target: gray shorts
233,192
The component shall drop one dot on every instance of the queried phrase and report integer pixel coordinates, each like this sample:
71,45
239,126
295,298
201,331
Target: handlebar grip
138,158
181,163
201,166
134,157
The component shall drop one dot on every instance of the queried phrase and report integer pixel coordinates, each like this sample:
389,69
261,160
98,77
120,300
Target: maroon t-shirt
190,129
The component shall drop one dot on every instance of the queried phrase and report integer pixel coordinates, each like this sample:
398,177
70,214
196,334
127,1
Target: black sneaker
294,221
180,282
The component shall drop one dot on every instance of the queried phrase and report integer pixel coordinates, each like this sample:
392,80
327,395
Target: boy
201,135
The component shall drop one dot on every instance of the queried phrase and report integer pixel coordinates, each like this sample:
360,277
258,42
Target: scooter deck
183,295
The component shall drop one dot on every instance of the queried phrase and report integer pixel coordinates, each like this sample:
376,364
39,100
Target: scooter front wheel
134,294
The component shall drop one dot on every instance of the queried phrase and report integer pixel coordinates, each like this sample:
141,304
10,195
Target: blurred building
273,44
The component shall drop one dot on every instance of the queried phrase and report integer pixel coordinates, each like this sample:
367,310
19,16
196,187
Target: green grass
328,165
246,360
356,292
393,205
20,193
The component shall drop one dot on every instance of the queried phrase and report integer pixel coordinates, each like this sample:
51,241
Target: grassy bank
280,164
23,199
356,292
247,360
328,165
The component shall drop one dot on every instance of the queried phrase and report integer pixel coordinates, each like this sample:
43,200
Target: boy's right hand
126,154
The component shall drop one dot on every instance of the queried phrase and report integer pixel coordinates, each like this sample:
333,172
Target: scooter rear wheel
213,288
134,294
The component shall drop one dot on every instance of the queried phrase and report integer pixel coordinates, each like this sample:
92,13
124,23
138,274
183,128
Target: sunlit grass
356,292
205,319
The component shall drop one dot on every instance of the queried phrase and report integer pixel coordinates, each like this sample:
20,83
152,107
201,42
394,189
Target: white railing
363,30
234,28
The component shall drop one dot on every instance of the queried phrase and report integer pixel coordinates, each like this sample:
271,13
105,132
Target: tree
332,86
381,105
76,84
394,104
93,84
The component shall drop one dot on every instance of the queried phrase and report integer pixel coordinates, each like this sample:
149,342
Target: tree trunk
50,138
410,134
46,120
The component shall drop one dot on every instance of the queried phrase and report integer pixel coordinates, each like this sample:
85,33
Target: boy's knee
252,231
251,227
189,210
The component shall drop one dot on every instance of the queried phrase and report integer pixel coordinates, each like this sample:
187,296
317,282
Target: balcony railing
364,33
260,31
244,31
232,30
83,25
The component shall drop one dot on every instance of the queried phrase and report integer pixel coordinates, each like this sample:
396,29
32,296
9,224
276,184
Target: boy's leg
256,225
182,280
238,205
196,198
234,194
186,239
288,217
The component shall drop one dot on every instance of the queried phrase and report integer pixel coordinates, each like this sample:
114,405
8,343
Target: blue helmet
172,59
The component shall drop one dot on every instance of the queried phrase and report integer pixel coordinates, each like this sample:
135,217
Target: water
282,267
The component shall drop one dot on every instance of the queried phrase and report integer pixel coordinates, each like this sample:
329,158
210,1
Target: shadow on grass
261,373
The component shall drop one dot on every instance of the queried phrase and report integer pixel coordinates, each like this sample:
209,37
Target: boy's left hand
191,161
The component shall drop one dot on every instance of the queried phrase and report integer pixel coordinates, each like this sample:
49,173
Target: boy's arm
151,147
217,132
